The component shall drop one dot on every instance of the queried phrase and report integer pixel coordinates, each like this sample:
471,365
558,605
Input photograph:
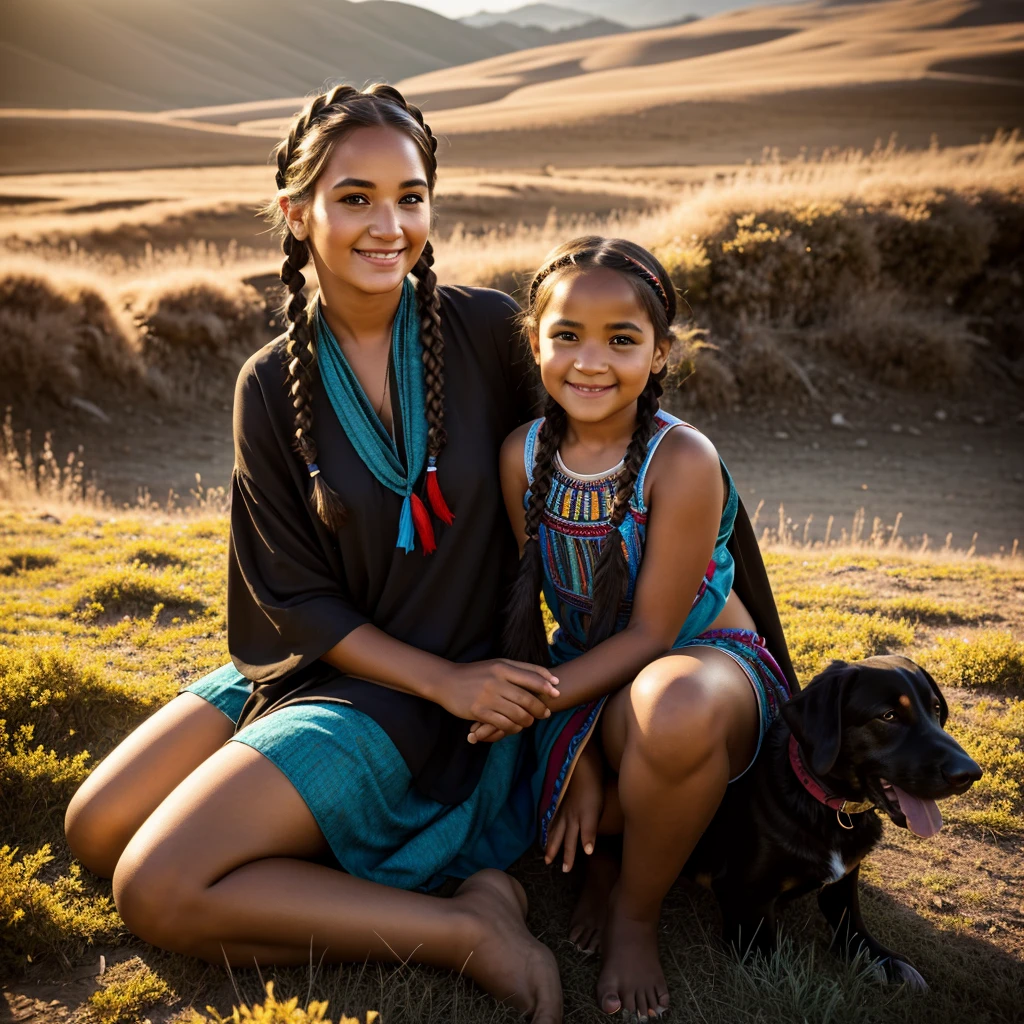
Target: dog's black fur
771,840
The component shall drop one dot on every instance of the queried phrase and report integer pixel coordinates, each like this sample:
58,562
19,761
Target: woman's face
368,219
595,344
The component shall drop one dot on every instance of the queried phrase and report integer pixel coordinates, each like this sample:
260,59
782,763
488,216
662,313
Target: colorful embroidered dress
576,521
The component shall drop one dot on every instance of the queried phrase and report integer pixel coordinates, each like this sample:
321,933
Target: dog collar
813,785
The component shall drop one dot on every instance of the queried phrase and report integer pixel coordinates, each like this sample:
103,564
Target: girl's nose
590,359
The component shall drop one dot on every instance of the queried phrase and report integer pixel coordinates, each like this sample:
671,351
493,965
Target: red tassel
421,520
437,502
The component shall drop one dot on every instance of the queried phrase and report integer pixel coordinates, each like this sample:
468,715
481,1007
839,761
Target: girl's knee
678,724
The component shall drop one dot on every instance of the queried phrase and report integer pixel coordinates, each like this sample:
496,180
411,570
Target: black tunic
295,590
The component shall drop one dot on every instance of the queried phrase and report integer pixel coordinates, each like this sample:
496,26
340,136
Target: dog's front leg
840,903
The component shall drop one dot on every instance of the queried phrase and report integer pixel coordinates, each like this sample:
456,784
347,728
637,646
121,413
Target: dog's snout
961,773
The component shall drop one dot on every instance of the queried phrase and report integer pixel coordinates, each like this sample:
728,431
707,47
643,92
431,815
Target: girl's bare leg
215,872
676,735
131,781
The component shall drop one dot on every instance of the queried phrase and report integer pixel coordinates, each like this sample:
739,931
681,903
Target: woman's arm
685,501
505,694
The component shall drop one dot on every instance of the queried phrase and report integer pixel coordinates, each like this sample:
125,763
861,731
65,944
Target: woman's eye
565,336
354,200
414,196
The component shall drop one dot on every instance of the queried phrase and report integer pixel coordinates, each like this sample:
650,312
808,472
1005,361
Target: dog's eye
888,716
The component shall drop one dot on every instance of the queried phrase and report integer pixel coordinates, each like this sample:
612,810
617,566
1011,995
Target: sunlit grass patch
128,990
156,556
25,559
992,659
132,592
57,918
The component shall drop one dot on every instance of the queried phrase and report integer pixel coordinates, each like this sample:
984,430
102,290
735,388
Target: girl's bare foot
631,976
588,918
506,960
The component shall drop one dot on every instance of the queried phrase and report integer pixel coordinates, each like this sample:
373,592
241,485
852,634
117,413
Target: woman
368,542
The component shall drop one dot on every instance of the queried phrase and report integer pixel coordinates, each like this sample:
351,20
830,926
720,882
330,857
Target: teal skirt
380,827
360,792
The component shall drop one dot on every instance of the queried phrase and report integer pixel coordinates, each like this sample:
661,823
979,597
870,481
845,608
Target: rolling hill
185,53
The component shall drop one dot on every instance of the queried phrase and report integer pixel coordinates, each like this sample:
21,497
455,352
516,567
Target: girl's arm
686,498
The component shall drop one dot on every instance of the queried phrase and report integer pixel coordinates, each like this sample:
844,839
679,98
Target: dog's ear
815,715
943,706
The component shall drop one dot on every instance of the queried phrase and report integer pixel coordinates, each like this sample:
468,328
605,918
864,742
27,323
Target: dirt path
961,472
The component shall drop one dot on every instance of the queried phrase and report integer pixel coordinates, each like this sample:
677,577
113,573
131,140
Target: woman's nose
386,225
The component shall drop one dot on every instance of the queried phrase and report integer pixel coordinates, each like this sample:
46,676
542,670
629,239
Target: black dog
860,737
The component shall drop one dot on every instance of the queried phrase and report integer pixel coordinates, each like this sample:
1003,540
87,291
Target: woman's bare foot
631,977
506,960
588,918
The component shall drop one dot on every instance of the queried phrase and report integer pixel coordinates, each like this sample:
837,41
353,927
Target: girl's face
368,219
595,344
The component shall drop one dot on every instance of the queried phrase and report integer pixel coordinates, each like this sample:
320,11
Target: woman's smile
380,257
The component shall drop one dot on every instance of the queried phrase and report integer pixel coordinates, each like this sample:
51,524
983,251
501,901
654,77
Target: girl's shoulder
513,459
679,458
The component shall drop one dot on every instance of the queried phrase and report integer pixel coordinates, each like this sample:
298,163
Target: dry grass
902,267
74,679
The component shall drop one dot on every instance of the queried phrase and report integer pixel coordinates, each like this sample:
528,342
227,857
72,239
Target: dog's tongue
924,818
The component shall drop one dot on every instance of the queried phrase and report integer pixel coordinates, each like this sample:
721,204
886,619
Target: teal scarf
359,419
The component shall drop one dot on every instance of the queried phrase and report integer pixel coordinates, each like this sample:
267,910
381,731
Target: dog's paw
895,971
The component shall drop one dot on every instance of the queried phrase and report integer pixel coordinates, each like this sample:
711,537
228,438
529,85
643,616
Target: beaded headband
570,258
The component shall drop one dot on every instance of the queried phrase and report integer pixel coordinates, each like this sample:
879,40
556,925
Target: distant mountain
160,54
527,37
646,13
549,16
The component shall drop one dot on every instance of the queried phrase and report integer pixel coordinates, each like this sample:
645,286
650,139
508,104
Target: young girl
630,523
368,548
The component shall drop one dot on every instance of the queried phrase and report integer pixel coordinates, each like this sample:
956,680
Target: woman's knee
157,896
677,723
95,828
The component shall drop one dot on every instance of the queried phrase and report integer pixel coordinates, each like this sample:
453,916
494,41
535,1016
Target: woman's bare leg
131,781
676,735
215,872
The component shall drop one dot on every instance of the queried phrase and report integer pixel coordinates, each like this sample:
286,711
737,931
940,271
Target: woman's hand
580,810
500,693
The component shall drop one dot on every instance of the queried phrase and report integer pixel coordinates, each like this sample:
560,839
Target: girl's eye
414,196
888,716
354,200
565,336
623,339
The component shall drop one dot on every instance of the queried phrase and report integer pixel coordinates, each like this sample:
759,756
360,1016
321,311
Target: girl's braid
523,636
611,574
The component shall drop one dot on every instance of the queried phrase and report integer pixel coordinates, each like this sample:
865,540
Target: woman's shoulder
478,307
263,376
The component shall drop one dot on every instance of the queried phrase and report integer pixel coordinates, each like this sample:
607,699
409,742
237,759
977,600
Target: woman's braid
299,346
611,574
523,637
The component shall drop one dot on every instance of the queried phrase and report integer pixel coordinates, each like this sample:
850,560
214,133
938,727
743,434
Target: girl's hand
580,810
500,693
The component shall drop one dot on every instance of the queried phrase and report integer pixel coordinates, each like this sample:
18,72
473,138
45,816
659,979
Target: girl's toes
610,1002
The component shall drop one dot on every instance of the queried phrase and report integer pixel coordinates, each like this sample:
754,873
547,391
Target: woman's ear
294,217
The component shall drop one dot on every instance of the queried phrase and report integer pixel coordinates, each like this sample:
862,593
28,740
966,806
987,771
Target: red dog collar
813,786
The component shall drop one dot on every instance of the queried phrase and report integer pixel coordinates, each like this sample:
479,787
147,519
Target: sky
460,8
